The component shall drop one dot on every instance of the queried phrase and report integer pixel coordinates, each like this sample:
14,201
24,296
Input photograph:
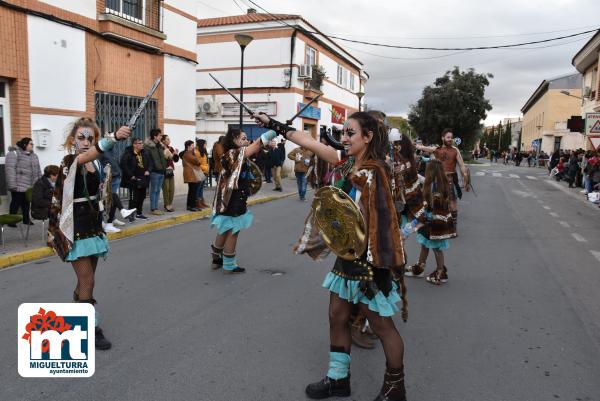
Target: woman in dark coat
41,197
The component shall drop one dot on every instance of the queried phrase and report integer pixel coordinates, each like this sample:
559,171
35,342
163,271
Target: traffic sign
592,123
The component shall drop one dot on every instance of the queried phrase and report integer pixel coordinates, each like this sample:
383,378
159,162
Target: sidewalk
16,251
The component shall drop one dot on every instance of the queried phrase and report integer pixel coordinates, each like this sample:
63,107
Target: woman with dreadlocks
75,229
439,226
369,280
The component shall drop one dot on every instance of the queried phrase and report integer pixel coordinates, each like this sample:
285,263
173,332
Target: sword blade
244,105
314,99
133,120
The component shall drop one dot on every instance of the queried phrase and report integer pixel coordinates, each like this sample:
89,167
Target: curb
44,252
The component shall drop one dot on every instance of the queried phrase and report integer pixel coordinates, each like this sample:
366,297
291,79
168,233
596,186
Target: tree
457,101
507,138
402,124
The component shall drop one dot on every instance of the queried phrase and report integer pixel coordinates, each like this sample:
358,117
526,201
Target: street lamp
243,41
360,96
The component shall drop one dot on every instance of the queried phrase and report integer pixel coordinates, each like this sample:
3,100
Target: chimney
252,11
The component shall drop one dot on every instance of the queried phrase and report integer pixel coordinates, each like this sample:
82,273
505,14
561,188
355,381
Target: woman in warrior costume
439,226
367,281
230,211
75,228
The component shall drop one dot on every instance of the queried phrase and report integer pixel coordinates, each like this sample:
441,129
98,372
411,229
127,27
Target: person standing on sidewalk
302,159
109,157
217,154
202,155
22,171
135,169
156,151
75,226
277,157
168,188
192,174
43,190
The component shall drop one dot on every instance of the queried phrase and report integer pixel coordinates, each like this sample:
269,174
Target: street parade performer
368,280
230,213
449,155
439,227
75,228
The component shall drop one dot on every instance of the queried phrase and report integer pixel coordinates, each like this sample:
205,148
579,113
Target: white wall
263,78
59,125
180,31
180,94
187,6
259,52
56,65
87,8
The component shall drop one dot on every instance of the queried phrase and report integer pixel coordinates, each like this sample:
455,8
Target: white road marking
523,194
596,255
531,177
578,237
564,224
547,207
513,176
497,174
553,214
480,173
541,201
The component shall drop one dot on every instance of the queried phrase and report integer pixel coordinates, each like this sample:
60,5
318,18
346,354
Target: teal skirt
439,244
93,246
225,223
350,291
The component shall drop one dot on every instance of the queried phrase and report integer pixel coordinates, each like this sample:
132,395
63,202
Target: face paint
85,134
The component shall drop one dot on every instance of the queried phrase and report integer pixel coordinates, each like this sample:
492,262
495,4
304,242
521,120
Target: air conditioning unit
587,91
208,107
305,71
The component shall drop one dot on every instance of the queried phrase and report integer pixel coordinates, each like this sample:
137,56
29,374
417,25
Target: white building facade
65,59
280,74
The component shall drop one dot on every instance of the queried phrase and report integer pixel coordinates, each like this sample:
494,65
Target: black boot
393,386
329,388
217,258
101,342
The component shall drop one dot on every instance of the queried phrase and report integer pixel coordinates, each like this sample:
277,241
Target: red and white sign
594,140
592,123
338,115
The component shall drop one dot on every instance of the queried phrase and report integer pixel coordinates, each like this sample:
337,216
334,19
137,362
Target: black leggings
116,204
18,200
136,198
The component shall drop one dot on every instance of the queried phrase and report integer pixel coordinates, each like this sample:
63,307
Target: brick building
62,59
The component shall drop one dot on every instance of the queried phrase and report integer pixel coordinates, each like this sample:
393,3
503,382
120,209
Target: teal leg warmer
339,365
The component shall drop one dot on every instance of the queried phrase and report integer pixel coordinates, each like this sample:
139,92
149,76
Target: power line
422,47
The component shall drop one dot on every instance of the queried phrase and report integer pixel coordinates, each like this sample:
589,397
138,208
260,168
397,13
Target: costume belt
358,270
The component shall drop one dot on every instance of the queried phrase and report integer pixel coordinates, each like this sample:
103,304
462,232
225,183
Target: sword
133,120
244,105
314,99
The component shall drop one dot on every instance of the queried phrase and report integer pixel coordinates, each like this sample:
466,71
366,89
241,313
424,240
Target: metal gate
114,111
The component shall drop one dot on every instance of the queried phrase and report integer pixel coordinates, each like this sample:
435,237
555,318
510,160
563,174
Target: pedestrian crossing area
504,174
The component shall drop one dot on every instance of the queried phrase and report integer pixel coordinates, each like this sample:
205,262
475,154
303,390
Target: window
594,83
4,117
345,78
311,56
339,75
114,111
132,10
352,82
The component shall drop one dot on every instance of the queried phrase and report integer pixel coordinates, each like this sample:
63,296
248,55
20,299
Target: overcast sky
399,76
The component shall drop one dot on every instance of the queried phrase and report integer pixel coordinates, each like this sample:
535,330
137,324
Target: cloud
395,84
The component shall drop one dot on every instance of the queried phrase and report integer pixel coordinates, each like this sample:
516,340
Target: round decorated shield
457,141
256,182
340,223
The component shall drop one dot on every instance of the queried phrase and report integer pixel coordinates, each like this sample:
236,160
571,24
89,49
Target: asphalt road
518,320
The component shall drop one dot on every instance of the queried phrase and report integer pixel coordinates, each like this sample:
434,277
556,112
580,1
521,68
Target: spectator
217,154
192,174
156,151
302,158
110,157
43,189
202,155
135,174
22,171
573,167
276,157
172,156
554,159
268,164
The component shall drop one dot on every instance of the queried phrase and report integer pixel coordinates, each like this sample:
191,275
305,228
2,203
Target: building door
311,128
5,135
557,140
